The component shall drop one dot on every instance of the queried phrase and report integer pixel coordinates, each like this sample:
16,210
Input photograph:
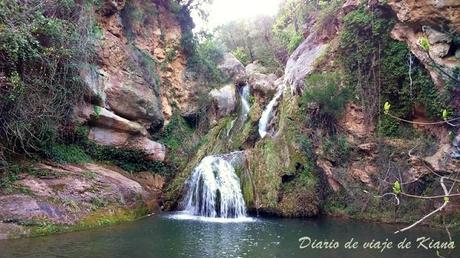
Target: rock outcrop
140,76
436,20
262,84
68,194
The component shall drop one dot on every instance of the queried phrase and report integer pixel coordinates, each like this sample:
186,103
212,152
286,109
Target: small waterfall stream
245,106
214,190
267,114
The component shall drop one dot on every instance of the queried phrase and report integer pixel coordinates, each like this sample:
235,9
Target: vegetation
100,218
371,61
251,40
323,100
42,46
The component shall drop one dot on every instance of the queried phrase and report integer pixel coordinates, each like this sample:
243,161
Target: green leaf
396,187
444,114
387,107
446,199
424,43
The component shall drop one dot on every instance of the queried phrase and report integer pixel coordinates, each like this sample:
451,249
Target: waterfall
245,106
267,114
214,190
245,94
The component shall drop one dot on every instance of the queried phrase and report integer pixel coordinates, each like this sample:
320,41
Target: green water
161,236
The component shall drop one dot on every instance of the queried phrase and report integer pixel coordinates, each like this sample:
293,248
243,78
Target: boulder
66,195
107,119
134,100
223,101
262,84
233,69
440,42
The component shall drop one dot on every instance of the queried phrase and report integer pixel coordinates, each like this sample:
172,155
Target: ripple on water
188,216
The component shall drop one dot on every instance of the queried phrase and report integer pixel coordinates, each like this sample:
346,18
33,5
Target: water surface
173,235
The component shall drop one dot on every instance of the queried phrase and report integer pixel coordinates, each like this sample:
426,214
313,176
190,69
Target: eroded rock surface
67,194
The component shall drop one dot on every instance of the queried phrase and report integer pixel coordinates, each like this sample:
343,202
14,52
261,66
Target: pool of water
175,235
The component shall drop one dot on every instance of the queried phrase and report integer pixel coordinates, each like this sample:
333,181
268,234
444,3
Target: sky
223,11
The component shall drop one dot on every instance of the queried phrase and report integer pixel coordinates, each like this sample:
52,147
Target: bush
68,154
241,55
336,149
42,46
377,68
204,58
324,90
129,160
294,42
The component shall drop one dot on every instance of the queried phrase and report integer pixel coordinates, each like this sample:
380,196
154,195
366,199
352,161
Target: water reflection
162,236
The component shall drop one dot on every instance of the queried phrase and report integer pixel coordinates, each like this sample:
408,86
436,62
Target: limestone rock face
140,75
233,69
431,19
107,136
302,62
428,12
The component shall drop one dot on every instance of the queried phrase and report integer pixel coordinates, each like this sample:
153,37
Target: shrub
176,133
336,149
68,154
324,91
204,58
241,55
294,42
42,46
376,67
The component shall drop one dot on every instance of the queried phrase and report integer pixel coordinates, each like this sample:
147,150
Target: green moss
99,218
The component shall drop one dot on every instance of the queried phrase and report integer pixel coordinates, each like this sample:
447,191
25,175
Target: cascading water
245,106
267,114
245,94
214,190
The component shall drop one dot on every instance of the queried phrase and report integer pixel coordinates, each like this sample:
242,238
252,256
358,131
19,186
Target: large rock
223,101
66,195
427,12
233,69
107,136
302,61
262,84
134,100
